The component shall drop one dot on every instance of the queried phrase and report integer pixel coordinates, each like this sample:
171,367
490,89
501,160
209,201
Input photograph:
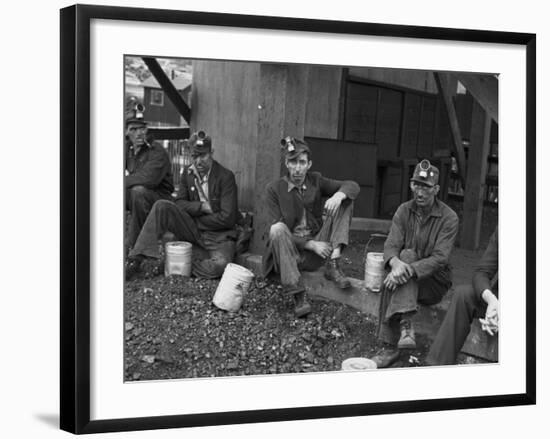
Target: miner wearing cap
204,213
299,236
416,256
148,175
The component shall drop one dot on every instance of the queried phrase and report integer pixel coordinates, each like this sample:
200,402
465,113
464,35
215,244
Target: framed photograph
175,127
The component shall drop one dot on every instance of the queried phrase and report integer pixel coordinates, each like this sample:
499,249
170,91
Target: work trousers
212,250
139,201
405,300
465,306
288,260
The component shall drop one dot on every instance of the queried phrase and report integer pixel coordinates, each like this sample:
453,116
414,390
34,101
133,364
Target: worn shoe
333,273
386,356
407,340
301,305
132,267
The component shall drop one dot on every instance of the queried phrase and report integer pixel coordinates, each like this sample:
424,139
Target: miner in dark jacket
148,175
299,238
416,255
204,213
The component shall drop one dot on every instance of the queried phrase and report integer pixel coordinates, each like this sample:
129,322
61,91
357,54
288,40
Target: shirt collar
205,177
291,184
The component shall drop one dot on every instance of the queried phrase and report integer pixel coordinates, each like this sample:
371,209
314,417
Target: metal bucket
374,266
178,258
233,287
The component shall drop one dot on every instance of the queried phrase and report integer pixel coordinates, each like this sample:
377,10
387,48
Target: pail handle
373,236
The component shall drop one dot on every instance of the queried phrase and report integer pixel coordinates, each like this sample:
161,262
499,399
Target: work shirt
201,183
149,167
431,237
486,271
287,204
301,228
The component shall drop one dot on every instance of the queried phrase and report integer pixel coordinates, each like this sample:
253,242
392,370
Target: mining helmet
426,173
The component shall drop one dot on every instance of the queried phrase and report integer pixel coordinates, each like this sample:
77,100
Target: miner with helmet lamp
416,256
303,232
148,172
204,213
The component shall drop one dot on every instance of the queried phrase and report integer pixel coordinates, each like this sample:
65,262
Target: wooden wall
166,114
414,79
225,102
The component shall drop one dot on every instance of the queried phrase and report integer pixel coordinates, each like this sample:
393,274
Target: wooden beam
475,181
484,89
168,88
445,88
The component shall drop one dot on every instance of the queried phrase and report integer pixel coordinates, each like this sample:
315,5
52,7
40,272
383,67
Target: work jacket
222,195
432,238
150,168
486,271
285,203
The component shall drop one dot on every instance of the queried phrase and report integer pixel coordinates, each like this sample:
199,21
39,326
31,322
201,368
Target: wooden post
475,180
281,112
444,86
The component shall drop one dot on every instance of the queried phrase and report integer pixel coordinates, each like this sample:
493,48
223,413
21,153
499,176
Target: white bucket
178,258
374,271
358,363
232,288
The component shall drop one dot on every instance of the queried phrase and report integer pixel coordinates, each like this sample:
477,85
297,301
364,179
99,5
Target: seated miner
299,238
416,255
204,214
148,175
478,299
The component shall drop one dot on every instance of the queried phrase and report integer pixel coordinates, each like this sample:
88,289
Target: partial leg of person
395,328
139,201
465,306
165,217
335,229
210,261
286,258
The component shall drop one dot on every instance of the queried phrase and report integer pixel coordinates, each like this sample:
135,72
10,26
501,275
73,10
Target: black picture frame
75,217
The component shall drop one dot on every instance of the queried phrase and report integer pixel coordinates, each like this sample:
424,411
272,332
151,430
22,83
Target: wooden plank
168,88
484,88
444,86
271,128
475,179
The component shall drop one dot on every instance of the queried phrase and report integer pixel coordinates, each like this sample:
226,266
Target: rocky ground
172,329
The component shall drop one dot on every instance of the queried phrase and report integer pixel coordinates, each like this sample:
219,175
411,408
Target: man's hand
321,248
390,283
333,203
401,272
490,323
206,208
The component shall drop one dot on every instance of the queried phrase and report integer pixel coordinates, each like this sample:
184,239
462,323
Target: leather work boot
132,267
301,305
333,273
386,356
407,340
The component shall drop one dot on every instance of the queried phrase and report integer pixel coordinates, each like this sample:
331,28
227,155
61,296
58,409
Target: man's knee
464,294
277,230
408,256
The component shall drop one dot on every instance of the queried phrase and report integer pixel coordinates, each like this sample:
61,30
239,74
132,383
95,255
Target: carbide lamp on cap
288,143
424,168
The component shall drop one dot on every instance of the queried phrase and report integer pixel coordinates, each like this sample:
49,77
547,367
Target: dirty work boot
132,267
407,340
386,356
301,305
333,273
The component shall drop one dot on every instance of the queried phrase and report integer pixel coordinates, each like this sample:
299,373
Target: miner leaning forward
416,255
303,233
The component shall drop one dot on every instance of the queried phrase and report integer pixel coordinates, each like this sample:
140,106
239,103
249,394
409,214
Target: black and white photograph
288,218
